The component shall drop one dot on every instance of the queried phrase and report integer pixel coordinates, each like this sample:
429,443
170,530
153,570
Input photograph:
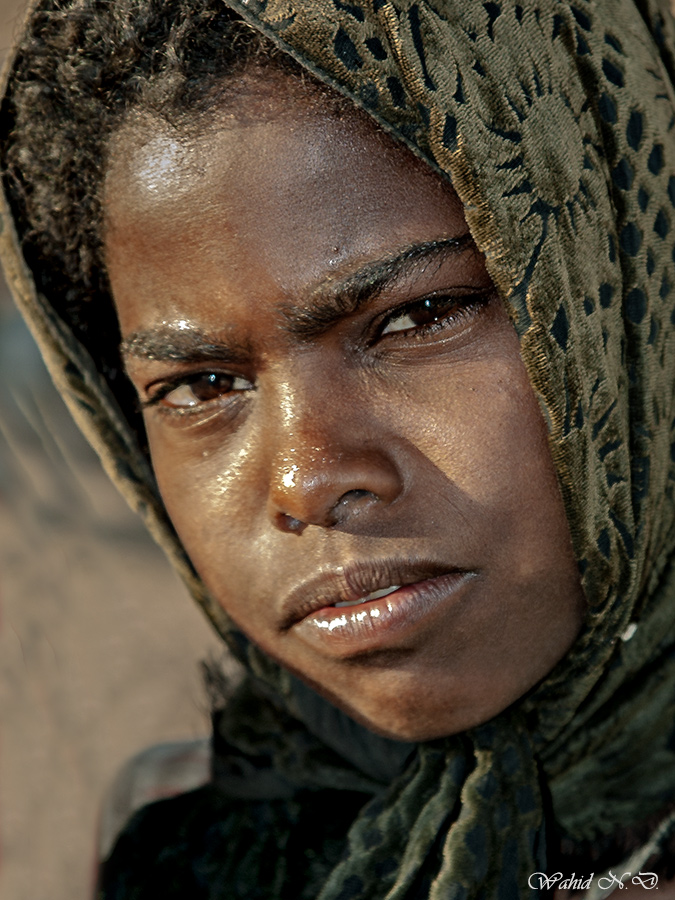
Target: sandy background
99,644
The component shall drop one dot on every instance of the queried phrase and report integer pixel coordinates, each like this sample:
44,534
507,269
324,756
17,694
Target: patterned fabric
554,122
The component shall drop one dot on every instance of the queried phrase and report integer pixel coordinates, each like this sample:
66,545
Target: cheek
483,432
476,429
187,482
483,429
215,500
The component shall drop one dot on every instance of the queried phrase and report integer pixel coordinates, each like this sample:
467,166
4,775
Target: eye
432,313
199,390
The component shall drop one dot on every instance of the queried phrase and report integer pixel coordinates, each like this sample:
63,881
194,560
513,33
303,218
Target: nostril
290,524
329,491
354,501
355,495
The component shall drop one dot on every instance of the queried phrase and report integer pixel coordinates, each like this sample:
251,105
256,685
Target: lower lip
380,624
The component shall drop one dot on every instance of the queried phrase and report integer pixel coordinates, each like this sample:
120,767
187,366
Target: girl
368,309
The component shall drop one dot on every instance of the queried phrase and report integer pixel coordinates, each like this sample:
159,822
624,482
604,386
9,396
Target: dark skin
336,405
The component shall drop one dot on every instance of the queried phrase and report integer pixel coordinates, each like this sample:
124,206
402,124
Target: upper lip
351,582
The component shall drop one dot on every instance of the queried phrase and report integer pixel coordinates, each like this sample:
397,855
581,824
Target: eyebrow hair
181,345
331,300
339,297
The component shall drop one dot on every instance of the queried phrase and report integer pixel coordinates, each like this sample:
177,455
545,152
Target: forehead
273,200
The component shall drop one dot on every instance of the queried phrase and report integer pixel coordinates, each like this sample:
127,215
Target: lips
371,606
373,595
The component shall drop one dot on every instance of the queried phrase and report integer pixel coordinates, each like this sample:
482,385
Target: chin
402,718
415,728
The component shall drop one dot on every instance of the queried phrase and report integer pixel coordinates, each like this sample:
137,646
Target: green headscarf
554,121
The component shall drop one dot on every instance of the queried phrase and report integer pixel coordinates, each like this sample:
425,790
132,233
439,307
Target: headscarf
554,123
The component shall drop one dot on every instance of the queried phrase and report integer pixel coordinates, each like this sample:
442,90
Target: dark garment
205,846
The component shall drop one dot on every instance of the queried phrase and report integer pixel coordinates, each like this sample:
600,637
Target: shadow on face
339,419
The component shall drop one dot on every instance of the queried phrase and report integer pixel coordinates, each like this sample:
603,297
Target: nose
326,471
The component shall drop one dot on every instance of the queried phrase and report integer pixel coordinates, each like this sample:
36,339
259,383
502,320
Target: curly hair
81,68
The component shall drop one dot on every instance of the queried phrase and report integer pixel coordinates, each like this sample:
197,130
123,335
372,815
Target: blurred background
99,643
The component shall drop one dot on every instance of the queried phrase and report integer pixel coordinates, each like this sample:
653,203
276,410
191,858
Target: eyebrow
340,297
174,344
332,300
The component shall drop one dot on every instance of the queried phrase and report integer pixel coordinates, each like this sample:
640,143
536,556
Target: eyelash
461,308
168,387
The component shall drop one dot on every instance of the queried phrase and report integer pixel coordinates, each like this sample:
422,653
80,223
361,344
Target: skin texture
305,423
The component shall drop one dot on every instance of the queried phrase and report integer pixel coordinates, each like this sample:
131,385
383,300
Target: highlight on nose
350,503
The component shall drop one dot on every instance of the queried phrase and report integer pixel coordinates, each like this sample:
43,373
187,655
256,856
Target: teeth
382,593
375,595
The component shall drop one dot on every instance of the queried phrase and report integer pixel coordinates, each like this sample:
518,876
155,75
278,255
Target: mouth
367,607
373,595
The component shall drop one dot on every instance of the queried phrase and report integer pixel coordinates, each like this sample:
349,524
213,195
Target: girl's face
340,422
